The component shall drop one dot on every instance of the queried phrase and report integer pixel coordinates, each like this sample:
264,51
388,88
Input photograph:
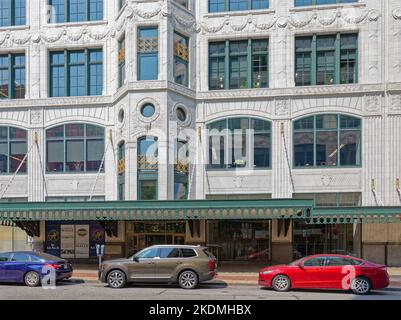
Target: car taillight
52,265
211,265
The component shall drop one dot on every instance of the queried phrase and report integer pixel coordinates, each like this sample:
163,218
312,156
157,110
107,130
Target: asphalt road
80,290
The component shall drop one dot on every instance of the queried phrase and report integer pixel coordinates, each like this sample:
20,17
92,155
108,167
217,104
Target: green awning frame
355,214
156,210
195,210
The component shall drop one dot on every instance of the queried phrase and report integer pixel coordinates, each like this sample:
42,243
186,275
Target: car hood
279,266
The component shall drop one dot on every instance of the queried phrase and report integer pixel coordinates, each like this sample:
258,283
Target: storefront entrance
144,234
311,239
239,240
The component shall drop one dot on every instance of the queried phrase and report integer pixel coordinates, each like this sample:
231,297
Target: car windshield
295,262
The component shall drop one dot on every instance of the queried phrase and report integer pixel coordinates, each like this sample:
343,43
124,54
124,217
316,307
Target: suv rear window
187,253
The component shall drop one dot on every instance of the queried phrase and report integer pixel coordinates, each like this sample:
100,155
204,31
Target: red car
326,271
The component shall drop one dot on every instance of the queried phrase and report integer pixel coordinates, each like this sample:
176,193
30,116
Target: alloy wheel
32,279
188,280
360,286
116,279
281,283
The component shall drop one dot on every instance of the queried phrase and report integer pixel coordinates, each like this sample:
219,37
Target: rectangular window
299,3
121,62
76,73
75,10
181,59
326,60
12,76
12,13
237,5
148,51
238,64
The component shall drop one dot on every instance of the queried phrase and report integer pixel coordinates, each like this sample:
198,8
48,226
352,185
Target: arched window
327,140
74,148
181,170
13,148
147,168
121,171
239,142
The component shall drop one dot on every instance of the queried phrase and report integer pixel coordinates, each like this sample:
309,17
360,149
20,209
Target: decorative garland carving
133,11
397,13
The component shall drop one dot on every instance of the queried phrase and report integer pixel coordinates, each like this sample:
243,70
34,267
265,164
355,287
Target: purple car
30,267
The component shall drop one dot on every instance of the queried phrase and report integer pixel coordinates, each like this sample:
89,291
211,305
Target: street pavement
78,289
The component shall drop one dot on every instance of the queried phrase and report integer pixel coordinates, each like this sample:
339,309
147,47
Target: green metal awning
156,210
355,214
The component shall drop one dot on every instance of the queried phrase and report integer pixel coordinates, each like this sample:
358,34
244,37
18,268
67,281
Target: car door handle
179,262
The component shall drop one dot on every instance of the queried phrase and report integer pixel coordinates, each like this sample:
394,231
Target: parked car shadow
215,284
373,292
69,282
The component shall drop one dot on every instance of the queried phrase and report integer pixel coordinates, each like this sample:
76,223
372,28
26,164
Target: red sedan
326,271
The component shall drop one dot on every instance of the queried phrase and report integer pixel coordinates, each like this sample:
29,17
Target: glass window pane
216,5
148,189
148,67
350,148
303,149
16,133
75,155
77,10
74,130
94,154
3,157
304,124
326,200
326,148
326,122
349,199
95,10
55,156
17,153
94,131
262,150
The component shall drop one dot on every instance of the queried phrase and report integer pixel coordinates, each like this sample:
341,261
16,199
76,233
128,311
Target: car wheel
281,283
116,279
32,279
188,279
361,285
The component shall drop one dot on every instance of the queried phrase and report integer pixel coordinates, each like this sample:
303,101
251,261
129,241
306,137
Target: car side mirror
136,259
301,265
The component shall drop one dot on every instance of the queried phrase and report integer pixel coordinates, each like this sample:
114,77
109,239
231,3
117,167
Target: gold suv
186,265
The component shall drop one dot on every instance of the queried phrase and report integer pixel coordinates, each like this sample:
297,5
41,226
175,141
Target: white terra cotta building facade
373,96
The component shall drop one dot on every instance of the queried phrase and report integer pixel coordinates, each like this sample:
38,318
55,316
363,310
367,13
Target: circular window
121,115
148,110
181,114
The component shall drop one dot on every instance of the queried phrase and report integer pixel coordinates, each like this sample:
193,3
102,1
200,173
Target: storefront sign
82,241
67,241
52,242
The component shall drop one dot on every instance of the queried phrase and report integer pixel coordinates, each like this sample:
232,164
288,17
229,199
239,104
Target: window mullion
10,76
67,74
87,66
85,149
338,140
314,142
87,9
337,58
249,62
227,66
314,61
66,11
11,13
65,148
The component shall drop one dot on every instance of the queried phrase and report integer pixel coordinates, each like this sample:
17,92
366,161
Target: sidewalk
228,274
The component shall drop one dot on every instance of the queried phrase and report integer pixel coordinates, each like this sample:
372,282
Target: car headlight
266,272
